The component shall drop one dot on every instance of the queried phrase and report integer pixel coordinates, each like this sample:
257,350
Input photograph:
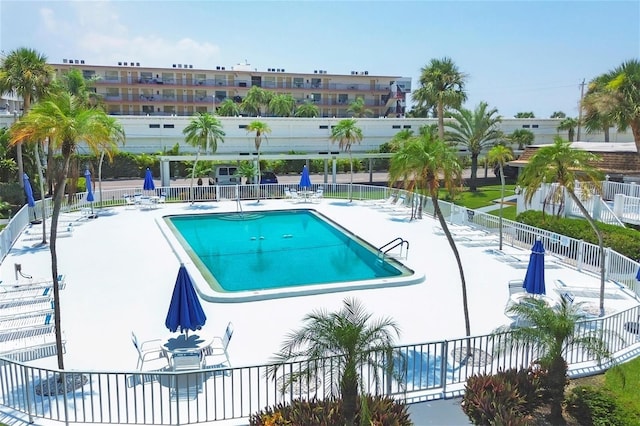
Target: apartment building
128,88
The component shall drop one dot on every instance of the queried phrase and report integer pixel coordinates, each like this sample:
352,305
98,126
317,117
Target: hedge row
625,241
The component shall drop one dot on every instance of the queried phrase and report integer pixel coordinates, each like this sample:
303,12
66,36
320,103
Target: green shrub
530,385
382,411
492,400
623,240
594,407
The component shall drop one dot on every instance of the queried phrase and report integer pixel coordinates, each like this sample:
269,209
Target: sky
518,55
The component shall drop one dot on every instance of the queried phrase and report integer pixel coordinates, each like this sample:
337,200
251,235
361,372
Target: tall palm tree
228,108
282,105
346,133
616,98
522,137
442,85
255,99
558,114
594,120
352,336
65,121
569,124
500,155
525,115
260,129
560,163
426,160
203,132
358,109
25,72
307,109
553,331
477,131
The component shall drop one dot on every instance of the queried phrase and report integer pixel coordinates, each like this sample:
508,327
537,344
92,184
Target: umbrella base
36,222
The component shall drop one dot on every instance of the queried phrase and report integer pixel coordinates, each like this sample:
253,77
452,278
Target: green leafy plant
595,407
488,398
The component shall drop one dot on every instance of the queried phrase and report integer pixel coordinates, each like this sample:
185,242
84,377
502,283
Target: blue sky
518,55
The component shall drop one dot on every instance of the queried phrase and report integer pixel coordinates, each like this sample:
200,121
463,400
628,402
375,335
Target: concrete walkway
441,412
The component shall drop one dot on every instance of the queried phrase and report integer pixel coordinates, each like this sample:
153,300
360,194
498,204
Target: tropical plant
441,86
553,331
352,337
282,105
228,108
255,99
616,98
558,114
25,72
424,161
500,155
247,170
566,166
346,133
357,108
203,132
569,124
260,129
476,130
65,121
307,109
594,120
522,137
525,115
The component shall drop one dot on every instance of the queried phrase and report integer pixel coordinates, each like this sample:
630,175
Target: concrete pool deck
120,274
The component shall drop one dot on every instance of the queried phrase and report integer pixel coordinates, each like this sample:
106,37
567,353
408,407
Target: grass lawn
508,212
483,197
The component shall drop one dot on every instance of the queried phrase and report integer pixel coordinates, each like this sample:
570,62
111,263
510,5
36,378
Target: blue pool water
277,249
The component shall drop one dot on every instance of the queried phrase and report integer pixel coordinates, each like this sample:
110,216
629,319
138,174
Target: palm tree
256,98
65,121
569,124
426,160
525,115
476,131
25,72
553,331
203,131
260,129
558,114
351,336
500,155
358,109
442,85
346,133
228,108
616,98
307,109
522,137
560,163
282,105
594,120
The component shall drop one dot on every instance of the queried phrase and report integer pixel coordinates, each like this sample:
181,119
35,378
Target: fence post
27,391
443,366
607,261
580,255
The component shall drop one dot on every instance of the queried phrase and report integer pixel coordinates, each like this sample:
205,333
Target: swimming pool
280,253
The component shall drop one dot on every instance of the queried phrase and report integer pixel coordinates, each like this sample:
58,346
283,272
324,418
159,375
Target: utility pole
580,109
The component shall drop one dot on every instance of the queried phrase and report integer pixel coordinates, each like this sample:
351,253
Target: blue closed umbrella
638,275
534,279
148,181
90,198
31,202
305,182
185,311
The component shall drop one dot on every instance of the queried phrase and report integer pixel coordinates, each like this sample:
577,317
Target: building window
343,98
168,126
324,127
111,75
395,126
406,127
242,126
298,82
316,83
152,126
525,126
535,126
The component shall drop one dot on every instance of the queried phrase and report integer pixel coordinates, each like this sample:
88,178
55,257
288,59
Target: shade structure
185,311
148,181
31,202
638,275
305,181
87,178
534,279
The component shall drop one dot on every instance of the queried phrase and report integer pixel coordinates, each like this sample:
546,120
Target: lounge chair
397,205
383,203
149,351
217,349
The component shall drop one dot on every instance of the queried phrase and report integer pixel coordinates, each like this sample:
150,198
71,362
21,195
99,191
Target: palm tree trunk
635,130
595,228
501,203
441,120
42,200
193,175
445,229
100,176
350,177
258,175
349,390
58,194
557,379
474,173
20,164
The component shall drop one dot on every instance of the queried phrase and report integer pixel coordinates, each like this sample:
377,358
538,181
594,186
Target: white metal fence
412,372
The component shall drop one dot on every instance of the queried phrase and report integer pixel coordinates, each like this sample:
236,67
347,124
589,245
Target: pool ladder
383,250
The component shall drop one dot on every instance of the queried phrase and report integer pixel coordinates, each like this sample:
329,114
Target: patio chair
318,195
186,386
149,351
217,349
515,286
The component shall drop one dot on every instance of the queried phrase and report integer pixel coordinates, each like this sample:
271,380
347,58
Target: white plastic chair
217,349
149,351
318,195
186,386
